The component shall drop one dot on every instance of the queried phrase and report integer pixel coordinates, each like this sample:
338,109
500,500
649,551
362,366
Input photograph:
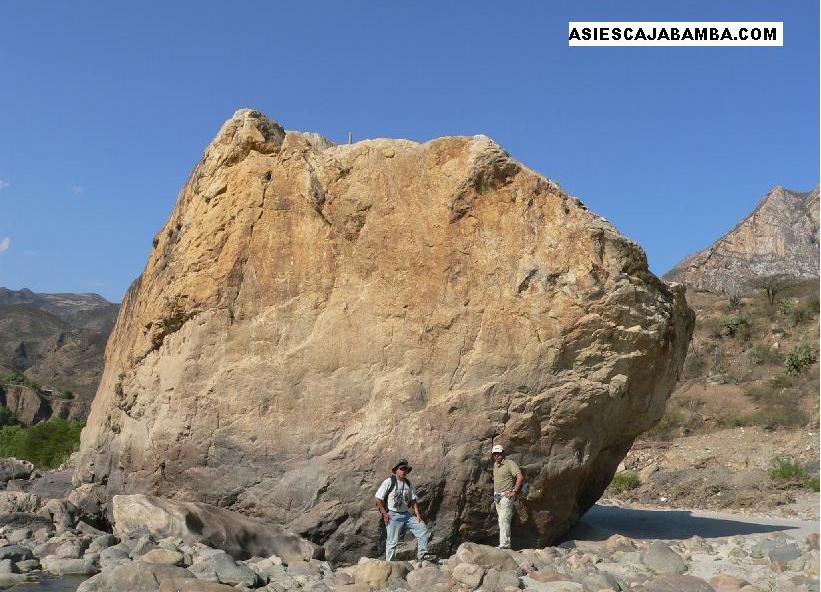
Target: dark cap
401,462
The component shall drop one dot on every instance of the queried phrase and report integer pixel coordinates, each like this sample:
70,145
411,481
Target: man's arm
380,505
417,511
517,487
519,480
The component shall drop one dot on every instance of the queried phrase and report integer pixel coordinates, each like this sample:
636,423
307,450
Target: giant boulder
311,312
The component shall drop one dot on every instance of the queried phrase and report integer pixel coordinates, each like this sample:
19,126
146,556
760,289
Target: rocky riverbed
160,545
734,556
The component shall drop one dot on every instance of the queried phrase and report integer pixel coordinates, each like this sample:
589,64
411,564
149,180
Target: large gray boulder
237,535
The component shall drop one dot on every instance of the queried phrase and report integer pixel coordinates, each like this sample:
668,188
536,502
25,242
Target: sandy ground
603,521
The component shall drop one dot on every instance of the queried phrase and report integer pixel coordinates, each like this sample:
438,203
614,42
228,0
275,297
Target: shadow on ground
600,522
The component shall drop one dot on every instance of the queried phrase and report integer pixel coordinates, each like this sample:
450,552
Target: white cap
497,448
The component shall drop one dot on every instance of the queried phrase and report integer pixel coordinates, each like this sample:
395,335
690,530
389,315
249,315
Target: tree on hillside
772,285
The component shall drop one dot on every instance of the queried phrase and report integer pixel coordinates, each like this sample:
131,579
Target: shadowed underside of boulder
311,312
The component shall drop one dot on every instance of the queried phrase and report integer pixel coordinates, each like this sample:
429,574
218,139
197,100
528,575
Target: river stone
27,565
662,559
7,580
216,527
230,572
427,578
12,468
64,566
15,553
19,535
163,557
674,583
134,576
7,566
114,555
533,585
12,502
310,306
485,556
468,574
377,574
188,585
727,583
599,582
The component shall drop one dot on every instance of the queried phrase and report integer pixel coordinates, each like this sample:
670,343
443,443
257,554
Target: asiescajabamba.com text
673,34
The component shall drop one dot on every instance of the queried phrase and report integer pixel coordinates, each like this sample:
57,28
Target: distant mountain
56,340
780,236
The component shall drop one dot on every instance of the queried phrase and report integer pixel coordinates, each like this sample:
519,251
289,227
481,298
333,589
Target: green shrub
736,325
760,355
18,378
812,484
787,305
15,378
67,394
7,416
799,358
46,444
624,481
785,469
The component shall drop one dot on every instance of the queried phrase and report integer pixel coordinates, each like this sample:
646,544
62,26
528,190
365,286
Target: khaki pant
505,509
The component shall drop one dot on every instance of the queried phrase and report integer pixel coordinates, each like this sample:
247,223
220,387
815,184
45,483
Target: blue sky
105,108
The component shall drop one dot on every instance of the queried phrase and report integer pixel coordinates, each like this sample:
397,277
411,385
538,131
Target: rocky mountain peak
780,236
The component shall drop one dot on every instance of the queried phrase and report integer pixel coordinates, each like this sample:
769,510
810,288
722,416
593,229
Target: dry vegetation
741,429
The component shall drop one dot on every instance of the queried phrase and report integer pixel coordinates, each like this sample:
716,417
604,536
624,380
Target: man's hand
511,494
386,517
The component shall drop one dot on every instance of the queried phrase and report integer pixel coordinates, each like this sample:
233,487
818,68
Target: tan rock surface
311,312
779,237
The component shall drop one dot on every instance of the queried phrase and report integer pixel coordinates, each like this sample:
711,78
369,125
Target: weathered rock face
779,237
311,312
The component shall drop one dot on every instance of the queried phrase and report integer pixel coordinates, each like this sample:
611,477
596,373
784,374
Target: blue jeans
398,521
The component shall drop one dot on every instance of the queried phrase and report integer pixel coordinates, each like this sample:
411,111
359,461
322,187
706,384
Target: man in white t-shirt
400,496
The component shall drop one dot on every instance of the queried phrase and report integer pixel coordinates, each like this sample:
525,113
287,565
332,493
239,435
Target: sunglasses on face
401,468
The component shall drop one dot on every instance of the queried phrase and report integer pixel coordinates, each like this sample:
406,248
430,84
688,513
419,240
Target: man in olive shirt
507,483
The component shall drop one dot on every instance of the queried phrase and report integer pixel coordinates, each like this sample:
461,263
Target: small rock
188,585
134,576
60,566
485,556
163,557
28,565
677,583
15,553
727,583
19,535
10,579
7,566
427,578
662,559
468,574
533,585
378,574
